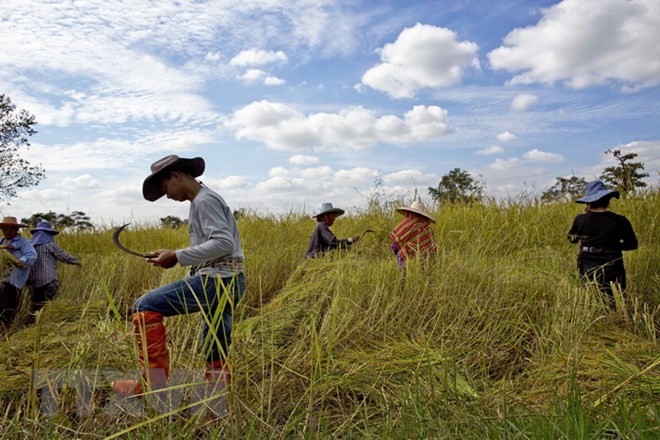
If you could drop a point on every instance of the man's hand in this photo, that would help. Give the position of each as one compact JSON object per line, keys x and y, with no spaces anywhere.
{"x":7,"y":247}
{"x":164,"y":258}
{"x":20,"y":264}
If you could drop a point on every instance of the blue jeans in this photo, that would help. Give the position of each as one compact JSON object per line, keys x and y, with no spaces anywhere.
{"x":215,"y":297}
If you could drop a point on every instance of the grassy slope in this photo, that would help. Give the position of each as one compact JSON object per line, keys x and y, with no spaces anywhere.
{"x":495,"y":338}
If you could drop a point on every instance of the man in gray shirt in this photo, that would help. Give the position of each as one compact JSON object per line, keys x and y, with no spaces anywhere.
{"x":213,"y":287}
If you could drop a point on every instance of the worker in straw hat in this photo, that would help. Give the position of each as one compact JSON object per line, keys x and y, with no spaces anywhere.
{"x":43,"y":275}
{"x":22,"y":257}
{"x":603,"y":235}
{"x":322,"y":238}
{"x":413,"y":236}
{"x":213,"y":287}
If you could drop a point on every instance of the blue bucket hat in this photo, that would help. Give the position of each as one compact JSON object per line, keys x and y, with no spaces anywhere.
{"x":45,"y":226}
{"x":595,"y":191}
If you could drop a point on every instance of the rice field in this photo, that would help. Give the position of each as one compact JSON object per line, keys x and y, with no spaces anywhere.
{"x":494,"y":338}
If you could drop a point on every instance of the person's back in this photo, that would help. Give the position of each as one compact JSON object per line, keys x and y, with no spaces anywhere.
{"x":43,"y":277}
{"x":602,"y":235}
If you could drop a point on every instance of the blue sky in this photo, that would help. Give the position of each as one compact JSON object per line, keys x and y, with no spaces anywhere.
{"x":295,"y":103}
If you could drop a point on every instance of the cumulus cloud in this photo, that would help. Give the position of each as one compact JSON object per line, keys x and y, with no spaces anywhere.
{"x":354,"y":175}
{"x":273,"y":81}
{"x":84,"y":181}
{"x":505,"y":164}
{"x":586,"y":43}
{"x":495,"y":149}
{"x":281,"y":127}
{"x":252,"y":75}
{"x":278,"y":172}
{"x":301,"y":159}
{"x":506,"y":136}
{"x":422,"y":56}
{"x":523,"y":102}
{"x":230,"y":182}
{"x":537,"y":155}
{"x":316,"y":172}
{"x":409,"y":177}
{"x":255,"y":57}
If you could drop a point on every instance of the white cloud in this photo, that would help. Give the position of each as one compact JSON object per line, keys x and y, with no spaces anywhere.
{"x":84,"y":181}
{"x":523,"y":102}
{"x":278,"y":172}
{"x":537,"y":155}
{"x":421,"y":57}
{"x":281,"y":127}
{"x":252,"y":75}
{"x":495,"y":149}
{"x":255,"y":57}
{"x":586,"y":43}
{"x":506,"y":136}
{"x":316,"y":172}
{"x":354,"y":175}
{"x":273,"y":81}
{"x":230,"y":182}
{"x":505,"y":164}
{"x":409,"y":177}
{"x":300,"y":159}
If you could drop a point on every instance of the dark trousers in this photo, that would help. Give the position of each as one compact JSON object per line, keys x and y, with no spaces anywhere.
{"x":603,"y":271}
{"x":9,"y":301}
{"x":42,"y":294}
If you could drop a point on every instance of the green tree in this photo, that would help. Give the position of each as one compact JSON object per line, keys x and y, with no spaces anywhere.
{"x":458,"y":186}
{"x":15,"y":129}
{"x":627,"y":175}
{"x":171,"y":221}
{"x":77,"y":220}
{"x":49,"y":216}
{"x":565,"y":188}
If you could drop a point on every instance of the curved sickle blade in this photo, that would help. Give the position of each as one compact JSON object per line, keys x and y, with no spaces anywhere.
{"x":115,"y":239}
{"x":367,"y":231}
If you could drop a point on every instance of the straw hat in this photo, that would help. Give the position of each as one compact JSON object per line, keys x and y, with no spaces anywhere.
{"x":416,"y":207}
{"x":11,"y":221}
{"x":327,"y":208}
{"x":595,"y":191}
{"x":151,"y":189}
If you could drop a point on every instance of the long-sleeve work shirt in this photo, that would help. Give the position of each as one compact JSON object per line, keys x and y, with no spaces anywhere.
{"x":24,"y":251}
{"x":44,"y":269}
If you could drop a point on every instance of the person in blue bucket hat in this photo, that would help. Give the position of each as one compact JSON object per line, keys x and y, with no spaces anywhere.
{"x":603,"y":235}
{"x":43,"y":276}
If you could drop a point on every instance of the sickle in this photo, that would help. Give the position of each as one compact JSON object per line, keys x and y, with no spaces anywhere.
{"x":366,"y":232}
{"x":115,"y":239}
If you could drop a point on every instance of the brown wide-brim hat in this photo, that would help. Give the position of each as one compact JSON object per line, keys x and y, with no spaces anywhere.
{"x":151,"y":189}
{"x":11,"y":221}
{"x":418,"y":208}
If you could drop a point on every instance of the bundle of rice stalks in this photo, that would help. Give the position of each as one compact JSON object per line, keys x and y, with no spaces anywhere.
{"x":7,"y":262}
{"x":61,"y":338}
{"x":604,"y":360}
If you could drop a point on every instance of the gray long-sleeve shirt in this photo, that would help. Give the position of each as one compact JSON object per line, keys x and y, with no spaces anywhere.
{"x":213,"y":233}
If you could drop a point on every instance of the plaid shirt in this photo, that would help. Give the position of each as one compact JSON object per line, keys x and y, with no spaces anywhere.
{"x":44,"y":270}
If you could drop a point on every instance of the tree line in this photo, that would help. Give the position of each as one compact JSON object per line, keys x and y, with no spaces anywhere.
{"x":627,"y":176}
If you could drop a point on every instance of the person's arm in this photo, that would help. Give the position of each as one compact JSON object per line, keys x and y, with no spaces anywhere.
{"x":628,"y":240}
{"x":29,"y":255}
{"x":62,"y":255}
{"x":220,"y":235}
{"x":574,"y":235}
